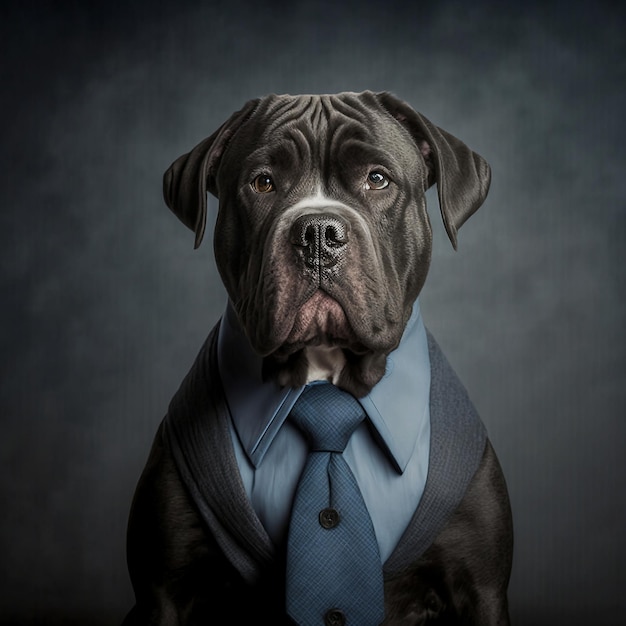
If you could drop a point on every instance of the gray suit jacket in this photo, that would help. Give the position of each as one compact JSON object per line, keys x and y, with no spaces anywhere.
{"x":197,"y":430}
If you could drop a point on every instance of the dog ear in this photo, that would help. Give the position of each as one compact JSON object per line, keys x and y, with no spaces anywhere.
{"x":187,"y":180}
{"x":462,"y":176}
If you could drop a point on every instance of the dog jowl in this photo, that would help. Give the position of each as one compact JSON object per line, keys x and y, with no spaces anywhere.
{"x":323,"y":242}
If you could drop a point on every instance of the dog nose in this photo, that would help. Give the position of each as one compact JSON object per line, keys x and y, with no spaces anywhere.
{"x":320,"y":238}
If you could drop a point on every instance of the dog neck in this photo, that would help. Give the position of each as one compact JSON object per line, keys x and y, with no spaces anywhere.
{"x":324,"y":363}
{"x":354,"y":374}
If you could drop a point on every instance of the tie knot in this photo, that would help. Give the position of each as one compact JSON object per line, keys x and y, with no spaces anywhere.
{"x":327,"y":416}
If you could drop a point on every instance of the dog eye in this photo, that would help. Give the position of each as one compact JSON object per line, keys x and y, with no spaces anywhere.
{"x":376,"y":180}
{"x":263,"y":184}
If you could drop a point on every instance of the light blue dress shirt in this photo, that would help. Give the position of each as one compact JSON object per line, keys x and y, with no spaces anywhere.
{"x":388,"y":453}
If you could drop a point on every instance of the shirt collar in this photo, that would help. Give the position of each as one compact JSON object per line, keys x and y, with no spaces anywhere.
{"x":396,"y":407}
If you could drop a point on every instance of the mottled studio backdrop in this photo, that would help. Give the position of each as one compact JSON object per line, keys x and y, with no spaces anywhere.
{"x":104,"y":303}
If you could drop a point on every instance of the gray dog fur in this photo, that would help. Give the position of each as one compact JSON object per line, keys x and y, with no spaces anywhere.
{"x":323,"y":243}
{"x":326,"y":144}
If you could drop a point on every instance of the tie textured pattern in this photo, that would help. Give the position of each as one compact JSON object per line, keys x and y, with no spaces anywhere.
{"x":334,"y":571}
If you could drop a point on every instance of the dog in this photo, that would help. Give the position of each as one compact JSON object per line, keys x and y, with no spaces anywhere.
{"x":323,"y":243}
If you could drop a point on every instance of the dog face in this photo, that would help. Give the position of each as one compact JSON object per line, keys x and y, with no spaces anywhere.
{"x":322,"y":237}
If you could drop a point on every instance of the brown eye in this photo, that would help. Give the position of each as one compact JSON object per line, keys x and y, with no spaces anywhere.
{"x":376,"y":180}
{"x":263,"y":184}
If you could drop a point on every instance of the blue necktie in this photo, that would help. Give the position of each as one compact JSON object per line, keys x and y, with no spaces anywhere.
{"x":334,"y":570}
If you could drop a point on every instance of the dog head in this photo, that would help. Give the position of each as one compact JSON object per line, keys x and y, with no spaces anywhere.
{"x":322,"y":237}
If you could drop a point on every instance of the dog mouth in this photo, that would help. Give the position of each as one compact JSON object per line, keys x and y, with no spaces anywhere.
{"x":321,"y":321}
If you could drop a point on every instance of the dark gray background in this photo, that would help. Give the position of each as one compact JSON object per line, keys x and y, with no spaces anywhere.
{"x":105,"y":304}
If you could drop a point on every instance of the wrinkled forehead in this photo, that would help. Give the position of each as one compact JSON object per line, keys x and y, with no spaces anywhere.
{"x":322,"y":127}
{"x":320,"y":114}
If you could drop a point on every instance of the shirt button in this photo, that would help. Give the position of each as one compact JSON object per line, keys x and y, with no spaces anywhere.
{"x":334,"y":617}
{"x":329,"y":518}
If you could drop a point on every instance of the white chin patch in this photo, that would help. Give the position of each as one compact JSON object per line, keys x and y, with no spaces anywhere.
{"x":324,"y":363}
